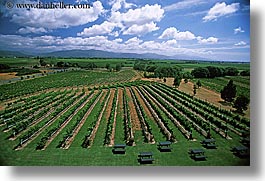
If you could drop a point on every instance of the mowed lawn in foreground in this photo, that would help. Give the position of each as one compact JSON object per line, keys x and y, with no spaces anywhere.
{"x":103,"y":156}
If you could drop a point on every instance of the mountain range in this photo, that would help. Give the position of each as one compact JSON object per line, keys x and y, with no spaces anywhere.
{"x":96,"y":54}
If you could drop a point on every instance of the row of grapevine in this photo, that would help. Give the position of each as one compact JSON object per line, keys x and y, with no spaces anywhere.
{"x":187,"y":119}
{"x":10,"y":113}
{"x":127,"y":120}
{"x":65,"y":79}
{"x":164,"y":111}
{"x":159,"y":121}
{"x":180,"y":121}
{"x":27,"y":124}
{"x":147,"y":131}
{"x":111,"y":119}
{"x":63,"y":120}
{"x":93,"y":127}
{"x":21,"y":120}
{"x":215,"y":124}
{"x":224,"y":115}
{"x":36,"y":129}
{"x":78,"y":120}
{"x":219,"y":125}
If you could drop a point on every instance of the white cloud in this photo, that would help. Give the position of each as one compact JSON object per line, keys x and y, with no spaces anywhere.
{"x":172,"y":32}
{"x":118,"y":4}
{"x":241,"y":43}
{"x":81,"y":1}
{"x":139,"y":16}
{"x":134,"y":40}
{"x":118,"y":40}
{"x":104,"y":28}
{"x":210,"y":40}
{"x":141,"y":29}
{"x":55,"y":18}
{"x":28,"y":30}
{"x":170,"y":43}
{"x":238,"y":30}
{"x":219,"y":10}
{"x":183,"y":5}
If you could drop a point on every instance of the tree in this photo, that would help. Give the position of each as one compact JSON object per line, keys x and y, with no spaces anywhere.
{"x":42,"y":62}
{"x":215,"y":71}
{"x":194,"y":89}
{"x":107,"y":66}
{"x":245,"y":73}
{"x":177,"y":81}
{"x":199,"y":84}
{"x":231,"y":71}
{"x":4,"y":66}
{"x":165,"y":80}
{"x":186,"y":80}
{"x":228,"y":93}
{"x":200,"y":72}
{"x":118,"y":67}
{"x":241,"y":103}
{"x":60,"y":64}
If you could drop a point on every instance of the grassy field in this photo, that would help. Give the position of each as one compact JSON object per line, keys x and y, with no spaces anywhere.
{"x":101,"y":156}
{"x":187,"y":65}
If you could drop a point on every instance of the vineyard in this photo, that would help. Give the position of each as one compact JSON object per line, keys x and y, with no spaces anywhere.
{"x":80,"y":125}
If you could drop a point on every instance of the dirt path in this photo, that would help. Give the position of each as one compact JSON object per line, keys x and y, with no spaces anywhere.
{"x":136,"y":125}
{"x":204,"y":94}
{"x":112,"y":140}
{"x":137,"y":76}
{"x":81,"y":123}
{"x":109,"y":106}
{"x":8,"y":76}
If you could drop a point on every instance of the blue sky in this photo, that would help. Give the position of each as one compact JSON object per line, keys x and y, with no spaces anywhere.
{"x":212,"y":29}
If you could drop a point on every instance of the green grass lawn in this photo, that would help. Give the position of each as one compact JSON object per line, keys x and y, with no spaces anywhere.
{"x":99,"y":155}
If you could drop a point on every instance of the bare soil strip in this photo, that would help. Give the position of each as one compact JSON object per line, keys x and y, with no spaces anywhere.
{"x":136,"y":125}
{"x":81,"y":123}
{"x":114,"y":122}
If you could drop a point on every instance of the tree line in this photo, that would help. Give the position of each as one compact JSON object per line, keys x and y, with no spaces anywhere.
{"x":212,"y":72}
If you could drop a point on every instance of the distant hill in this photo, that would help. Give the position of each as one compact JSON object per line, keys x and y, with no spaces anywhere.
{"x":101,"y":54}
{"x":96,"y":54}
{"x":4,"y":53}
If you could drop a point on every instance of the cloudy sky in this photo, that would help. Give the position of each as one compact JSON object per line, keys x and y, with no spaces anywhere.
{"x":212,"y":29}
